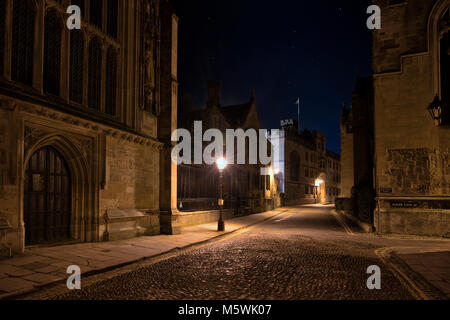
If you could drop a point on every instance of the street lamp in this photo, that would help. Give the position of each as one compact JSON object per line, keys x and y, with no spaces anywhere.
{"x":435,"y":110}
{"x":317,"y":186}
{"x":221,"y":165}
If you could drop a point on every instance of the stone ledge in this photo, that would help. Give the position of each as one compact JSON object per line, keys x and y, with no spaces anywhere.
{"x":130,"y":223}
{"x":422,"y":222}
{"x":368,"y":228}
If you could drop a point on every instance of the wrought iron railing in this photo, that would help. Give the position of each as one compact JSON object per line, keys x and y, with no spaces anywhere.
{"x":205,"y":204}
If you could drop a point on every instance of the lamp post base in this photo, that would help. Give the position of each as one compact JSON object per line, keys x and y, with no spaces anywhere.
{"x":221,"y":225}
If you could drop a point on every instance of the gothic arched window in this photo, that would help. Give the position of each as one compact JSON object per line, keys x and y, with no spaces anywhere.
{"x":96,"y":13}
{"x":52,"y":53}
{"x":445,"y":59}
{"x":80,"y":4}
{"x":295,"y":166}
{"x":76,"y":66}
{"x":2,"y":34}
{"x":112,"y":10}
{"x":95,"y":74}
{"x":23,"y":41}
{"x":111,"y":82}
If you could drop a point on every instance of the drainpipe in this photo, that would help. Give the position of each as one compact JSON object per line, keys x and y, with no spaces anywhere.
{"x":378,"y":190}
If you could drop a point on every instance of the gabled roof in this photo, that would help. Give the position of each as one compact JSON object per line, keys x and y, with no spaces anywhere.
{"x":236,"y":115}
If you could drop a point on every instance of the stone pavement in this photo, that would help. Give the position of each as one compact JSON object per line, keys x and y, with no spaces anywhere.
{"x":432,"y":265}
{"x":430,"y":262}
{"x":39,"y":267}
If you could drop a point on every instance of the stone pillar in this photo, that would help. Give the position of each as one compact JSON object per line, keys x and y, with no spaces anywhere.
{"x":170,"y":216}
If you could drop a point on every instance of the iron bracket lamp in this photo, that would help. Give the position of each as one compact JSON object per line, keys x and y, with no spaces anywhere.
{"x":436,"y":111}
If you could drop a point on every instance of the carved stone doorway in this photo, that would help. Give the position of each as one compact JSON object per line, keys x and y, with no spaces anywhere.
{"x":47,"y":198}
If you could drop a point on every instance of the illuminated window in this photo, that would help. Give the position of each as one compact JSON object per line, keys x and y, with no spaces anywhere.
{"x":52,"y":53}
{"x":267,"y":183}
{"x":22,"y":41}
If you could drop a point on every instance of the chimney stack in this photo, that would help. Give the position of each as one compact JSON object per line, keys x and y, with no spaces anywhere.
{"x":213,"y":94}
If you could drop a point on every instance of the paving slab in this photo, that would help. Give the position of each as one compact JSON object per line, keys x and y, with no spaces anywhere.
{"x":432,"y":266}
{"x":13,"y":271}
{"x":41,"y":278}
{"x":15,"y":284}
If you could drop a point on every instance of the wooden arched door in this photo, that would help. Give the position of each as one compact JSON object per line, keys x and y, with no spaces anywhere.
{"x":47,"y":198}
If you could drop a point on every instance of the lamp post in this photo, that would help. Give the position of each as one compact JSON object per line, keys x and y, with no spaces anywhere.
{"x":221,"y":165}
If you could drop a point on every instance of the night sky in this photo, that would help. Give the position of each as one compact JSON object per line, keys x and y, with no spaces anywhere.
{"x":283,"y":49}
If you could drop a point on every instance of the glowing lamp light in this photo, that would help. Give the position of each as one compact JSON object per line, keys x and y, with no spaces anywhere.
{"x":435,"y":110}
{"x":221,"y":164}
{"x":319,"y":182}
{"x":276,"y":171}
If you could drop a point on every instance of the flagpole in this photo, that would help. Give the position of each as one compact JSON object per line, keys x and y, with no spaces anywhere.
{"x":298,"y":119}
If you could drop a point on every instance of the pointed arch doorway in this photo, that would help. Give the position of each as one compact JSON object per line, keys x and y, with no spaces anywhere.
{"x":47,"y":198}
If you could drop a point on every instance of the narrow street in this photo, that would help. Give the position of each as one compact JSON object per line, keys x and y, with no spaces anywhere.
{"x":305,"y":253}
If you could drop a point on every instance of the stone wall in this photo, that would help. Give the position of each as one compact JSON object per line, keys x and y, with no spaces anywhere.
{"x":417,"y":171}
{"x":110,"y":170}
{"x":132,"y":179}
{"x":422,"y":222}
{"x":403,"y":31}
{"x":412,"y":153}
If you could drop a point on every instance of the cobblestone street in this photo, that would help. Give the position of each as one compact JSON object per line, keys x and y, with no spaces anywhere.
{"x":302,"y":254}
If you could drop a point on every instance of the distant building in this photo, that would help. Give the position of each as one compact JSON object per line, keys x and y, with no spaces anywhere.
{"x":85,"y":120}
{"x":411,"y":64}
{"x":245,"y":190}
{"x":308,"y":172}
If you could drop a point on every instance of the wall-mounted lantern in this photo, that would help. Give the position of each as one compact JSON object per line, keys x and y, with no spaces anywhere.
{"x":435,"y":110}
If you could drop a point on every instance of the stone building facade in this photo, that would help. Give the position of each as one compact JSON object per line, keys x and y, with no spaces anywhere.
{"x":308,"y":172}
{"x":245,"y":189}
{"x":357,"y":154}
{"x":85,"y":119}
{"x":411,"y":67}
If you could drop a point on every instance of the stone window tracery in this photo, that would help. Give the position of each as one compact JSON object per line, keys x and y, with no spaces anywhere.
{"x":52,"y":52}
{"x":295,"y":166}
{"x":76,"y":66}
{"x":444,"y":44}
{"x":24,"y":12}
{"x":2,"y":34}
{"x":111,"y":82}
{"x":95,"y":74}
